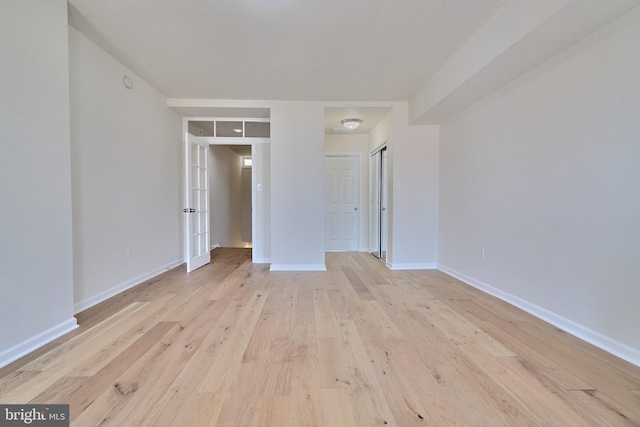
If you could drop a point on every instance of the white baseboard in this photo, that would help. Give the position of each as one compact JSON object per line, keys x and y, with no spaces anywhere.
{"x":216,"y":246}
{"x":102,"y":296}
{"x":412,"y":266}
{"x":27,"y":346}
{"x":298,"y":267}
{"x":608,"y":344}
{"x":261,"y":260}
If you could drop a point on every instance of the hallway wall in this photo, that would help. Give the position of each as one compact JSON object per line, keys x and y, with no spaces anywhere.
{"x":126,"y":169}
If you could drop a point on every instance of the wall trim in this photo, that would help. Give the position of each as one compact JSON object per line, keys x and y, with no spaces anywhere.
{"x":261,"y":260}
{"x":35,"y":342}
{"x":413,"y":266}
{"x":298,"y":267}
{"x":102,"y":296}
{"x":608,"y":344}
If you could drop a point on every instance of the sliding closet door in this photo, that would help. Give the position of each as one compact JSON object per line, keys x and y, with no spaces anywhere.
{"x":374,"y":208}
{"x":384,"y":199}
{"x":378,"y":167}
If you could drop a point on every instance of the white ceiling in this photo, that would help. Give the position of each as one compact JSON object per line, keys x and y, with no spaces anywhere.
{"x":440,"y":55}
{"x":314,"y":50}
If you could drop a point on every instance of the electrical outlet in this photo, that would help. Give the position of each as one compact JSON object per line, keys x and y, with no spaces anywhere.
{"x":481,"y":252}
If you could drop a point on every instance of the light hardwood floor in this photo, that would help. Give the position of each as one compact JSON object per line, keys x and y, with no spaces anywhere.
{"x":233,"y":344}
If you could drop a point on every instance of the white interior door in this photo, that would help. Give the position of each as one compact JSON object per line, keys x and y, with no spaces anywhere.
{"x":197,"y":249}
{"x":342,"y":199}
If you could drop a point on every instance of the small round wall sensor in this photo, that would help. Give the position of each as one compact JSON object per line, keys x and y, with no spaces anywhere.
{"x":128,"y":82}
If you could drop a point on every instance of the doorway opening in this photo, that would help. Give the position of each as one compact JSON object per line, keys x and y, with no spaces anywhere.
{"x":230,"y":196}
{"x":236,"y":147}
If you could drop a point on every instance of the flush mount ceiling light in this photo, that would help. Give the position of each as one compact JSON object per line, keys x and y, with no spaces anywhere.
{"x":351,"y":124}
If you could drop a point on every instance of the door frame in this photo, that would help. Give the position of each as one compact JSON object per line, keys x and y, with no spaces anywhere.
{"x":257,"y":181}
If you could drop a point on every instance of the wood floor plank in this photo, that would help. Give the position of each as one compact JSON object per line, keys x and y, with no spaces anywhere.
{"x":177,"y":352}
{"x":234,"y":344}
{"x":106,"y":379}
{"x":368,"y":394}
{"x":432,"y":405}
{"x":227,"y":364}
{"x":358,"y":285}
{"x":132,"y":395}
{"x":241,"y":401}
{"x":338,"y":407}
{"x":527,"y":354}
{"x":405,"y":404}
{"x":325,"y":320}
{"x":597,"y":412}
{"x":345,"y":304}
{"x":117,"y":338}
{"x":588,"y":355}
{"x":484,"y":401}
{"x":271,"y":411}
{"x":599,"y":379}
{"x":304,"y":310}
{"x":306,"y":396}
{"x":178,"y":395}
{"x":51,"y":359}
{"x":379,"y":323}
{"x":202,"y":410}
{"x":15,"y":379}
{"x":457,"y":328}
{"x":333,"y":372}
{"x":67,"y":358}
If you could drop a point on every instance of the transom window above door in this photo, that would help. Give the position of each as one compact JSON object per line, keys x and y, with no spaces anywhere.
{"x":230,"y":128}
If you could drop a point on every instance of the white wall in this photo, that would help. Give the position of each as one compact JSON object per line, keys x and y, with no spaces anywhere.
{"x":356,"y":144}
{"x":382,"y":132}
{"x":126,"y":151}
{"x":225,"y":197}
{"x":297,"y":186}
{"x":261,"y":175}
{"x":414,"y":181}
{"x":413,"y":189}
{"x":545,"y":175}
{"x":36,"y":277}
